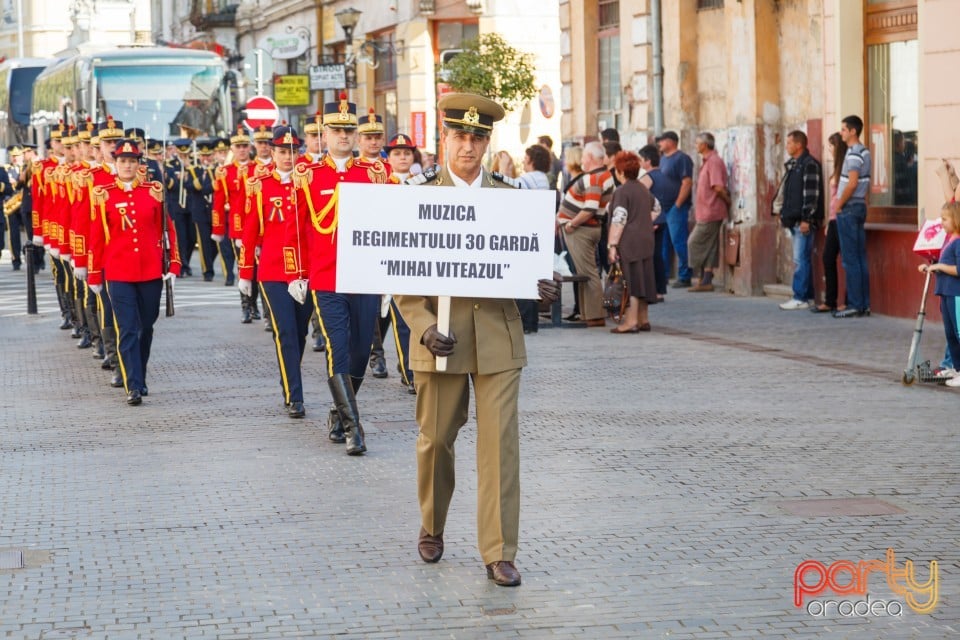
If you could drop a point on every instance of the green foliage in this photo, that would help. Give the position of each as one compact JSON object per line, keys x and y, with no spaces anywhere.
{"x":490,"y":67}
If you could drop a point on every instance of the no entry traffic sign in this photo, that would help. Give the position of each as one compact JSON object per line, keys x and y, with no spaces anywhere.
{"x":261,"y":111}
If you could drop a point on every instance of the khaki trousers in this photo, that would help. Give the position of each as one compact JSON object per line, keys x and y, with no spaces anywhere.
{"x":442,"y":404}
{"x":582,"y":245}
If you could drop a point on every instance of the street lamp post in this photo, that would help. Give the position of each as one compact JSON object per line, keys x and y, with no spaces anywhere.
{"x":348,"y":19}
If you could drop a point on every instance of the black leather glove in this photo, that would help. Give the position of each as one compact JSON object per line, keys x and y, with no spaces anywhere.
{"x":437,"y":343}
{"x":548,"y":290}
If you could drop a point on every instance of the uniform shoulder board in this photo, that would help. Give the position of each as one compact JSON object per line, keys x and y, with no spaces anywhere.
{"x":302,"y":175}
{"x":99,"y":195}
{"x":254,"y":183}
{"x":513,"y":182}
{"x":428,"y":176}
{"x":156,"y":189}
{"x":261,"y":170}
{"x":38,"y":165}
{"x":142,"y":170}
{"x":221,"y":173}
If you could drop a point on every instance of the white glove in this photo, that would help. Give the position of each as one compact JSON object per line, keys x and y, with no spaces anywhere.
{"x":96,"y":288}
{"x":171,"y":278}
{"x":80,"y":273}
{"x":385,"y":305}
{"x":298,"y":290}
{"x":245,"y":286}
{"x":239,"y":243}
{"x":216,"y":237}
{"x":37,"y":241}
{"x":54,"y":252}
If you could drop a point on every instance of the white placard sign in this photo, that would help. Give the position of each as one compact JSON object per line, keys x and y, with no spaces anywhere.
{"x":480,"y":243}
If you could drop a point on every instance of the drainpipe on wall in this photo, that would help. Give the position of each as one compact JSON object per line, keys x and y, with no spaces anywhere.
{"x":657,"y":67}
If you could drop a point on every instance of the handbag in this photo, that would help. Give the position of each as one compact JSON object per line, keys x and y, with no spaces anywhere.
{"x":615,"y":292}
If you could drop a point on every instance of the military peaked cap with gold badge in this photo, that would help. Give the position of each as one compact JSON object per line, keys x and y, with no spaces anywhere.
{"x":86,"y":132}
{"x":13,"y":151}
{"x":205,"y":146}
{"x":127,"y":149}
{"x":262,"y":134}
{"x":183,"y":145}
{"x":69,"y":137}
{"x":370,"y":123}
{"x":56,"y":133}
{"x":154,"y":145}
{"x":240,"y":137}
{"x":285,"y":136}
{"x":471,"y":113}
{"x":400,"y":141}
{"x":136,"y":134}
{"x":110,"y":130}
{"x":314,"y":125}
{"x":221,"y":144}
{"x":342,"y":115}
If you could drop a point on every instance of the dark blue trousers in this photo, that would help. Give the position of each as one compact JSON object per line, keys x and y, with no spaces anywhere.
{"x":401,"y":336}
{"x":227,"y":258}
{"x":136,"y":307}
{"x":291,"y":323}
{"x":208,"y":248}
{"x":347,"y":321}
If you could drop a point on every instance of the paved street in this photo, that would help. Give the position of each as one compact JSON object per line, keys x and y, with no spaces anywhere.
{"x":662,"y":475}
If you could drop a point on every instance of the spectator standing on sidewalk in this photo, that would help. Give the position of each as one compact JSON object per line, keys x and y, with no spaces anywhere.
{"x":654,"y":181}
{"x":853,"y":188}
{"x":536,"y":164}
{"x":713,"y":207}
{"x":802,"y":214}
{"x":831,"y":247}
{"x":580,"y":221}
{"x":676,"y":167}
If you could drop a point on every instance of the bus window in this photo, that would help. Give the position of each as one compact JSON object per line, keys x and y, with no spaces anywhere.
{"x":21,"y":92}
{"x":153,"y":97}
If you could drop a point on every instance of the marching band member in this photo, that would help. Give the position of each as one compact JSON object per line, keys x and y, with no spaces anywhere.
{"x":198,"y":201}
{"x":346,"y":320}
{"x":179,"y":176}
{"x":109,"y":133}
{"x":280,"y":230}
{"x":126,"y":242}
{"x":229,"y":209}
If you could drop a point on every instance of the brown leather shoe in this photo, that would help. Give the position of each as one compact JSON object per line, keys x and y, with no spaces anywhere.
{"x":504,"y":573}
{"x":597,"y":322}
{"x":430,"y":547}
{"x":701,"y":287}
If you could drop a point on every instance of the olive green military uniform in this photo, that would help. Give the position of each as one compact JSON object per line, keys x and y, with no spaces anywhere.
{"x":490,"y":350}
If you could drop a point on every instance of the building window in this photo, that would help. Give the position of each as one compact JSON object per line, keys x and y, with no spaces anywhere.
{"x":609,"y":14}
{"x":608,"y":63}
{"x":703,"y":5}
{"x":891,"y":128}
{"x":385,"y":81}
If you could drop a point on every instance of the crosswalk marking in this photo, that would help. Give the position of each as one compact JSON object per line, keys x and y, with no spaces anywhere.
{"x":188,"y":292}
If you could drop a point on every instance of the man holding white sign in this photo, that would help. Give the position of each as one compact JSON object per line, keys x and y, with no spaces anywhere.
{"x":443,"y":393}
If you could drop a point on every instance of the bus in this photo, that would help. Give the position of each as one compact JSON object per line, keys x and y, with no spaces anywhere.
{"x":167,"y":92}
{"x":16,"y":90}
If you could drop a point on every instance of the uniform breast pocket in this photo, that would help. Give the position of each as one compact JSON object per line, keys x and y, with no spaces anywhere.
{"x":515,"y":328}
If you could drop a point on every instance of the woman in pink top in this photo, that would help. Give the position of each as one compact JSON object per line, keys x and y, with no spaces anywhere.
{"x":831,"y":248}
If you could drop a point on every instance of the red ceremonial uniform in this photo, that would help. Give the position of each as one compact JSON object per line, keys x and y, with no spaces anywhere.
{"x":125,"y":234}
{"x":59,"y":214}
{"x":42,"y":194}
{"x":278,"y":227}
{"x":77,"y":217}
{"x":230,"y":199}
{"x":317,"y":200}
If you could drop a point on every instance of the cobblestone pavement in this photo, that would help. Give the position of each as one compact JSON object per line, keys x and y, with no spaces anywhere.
{"x":658,"y":475}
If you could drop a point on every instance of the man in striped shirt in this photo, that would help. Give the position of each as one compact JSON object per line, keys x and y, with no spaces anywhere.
{"x":580,"y":218}
{"x":852,"y":193}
